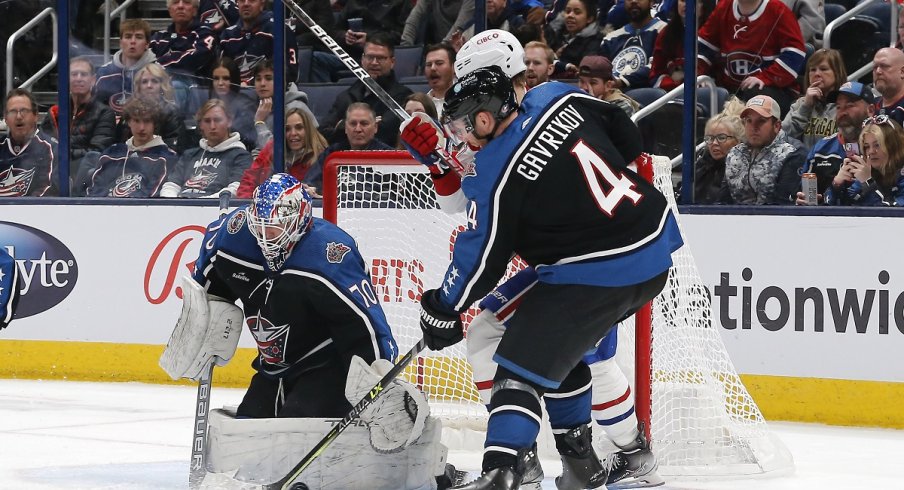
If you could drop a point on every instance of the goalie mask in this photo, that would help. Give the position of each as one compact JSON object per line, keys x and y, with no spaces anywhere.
{"x":485,"y":89}
{"x":279,"y":215}
{"x":493,"y":47}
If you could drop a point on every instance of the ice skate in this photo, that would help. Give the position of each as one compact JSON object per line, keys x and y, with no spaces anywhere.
{"x":634,"y":466}
{"x":502,"y":478}
{"x":581,"y":468}
{"x":533,"y":472}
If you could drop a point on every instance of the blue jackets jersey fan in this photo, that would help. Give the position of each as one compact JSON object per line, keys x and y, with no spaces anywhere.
{"x":9,"y":287}
{"x":126,"y":171}
{"x":538,"y":194}
{"x":825,"y":160}
{"x":249,"y":45}
{"x":320,"y":304}
{"x":189,"y":53}
{"x":631,"y":52}
{"x":29,"y":170}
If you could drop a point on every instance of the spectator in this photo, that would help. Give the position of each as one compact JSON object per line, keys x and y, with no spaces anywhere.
{"x":595,"y":78}
{"x":28,"y":162}
{"x":667,"y":64}
{"x":527,"y":33}
{"x":216,"y":165}
{"x":764,"y":168}
{"x":218,"y":14}
{"x":136,"y":168}
{"x":185,"y":49}
{"x":722,"y":133}
{"x":576,"y":37}
{"x":92,"y":126}
{"x":754,"y":47}
{"x":876,"y":178}
{"x":631,"y":48}
{"x":499,"y":16}
{"x":888,"y":79}
{"x":540,"y":60}
{"x":251,"y":41}
{"x":360,"y":130}
{"x":263,"y":117}
{"x":811,"y":19}
{"x":114,"y":79}
{"x":433,"y":21}
{"x":854,"y":104}
{"x":239,"y":107}
{"x":378,"y":60}
{"x":439,"y":61}
{"x":420,"y":102}
{"x":812,"y":117}
{"x":153,"y":83}
{"x":383,"y":18}
{"x":304,"y":144}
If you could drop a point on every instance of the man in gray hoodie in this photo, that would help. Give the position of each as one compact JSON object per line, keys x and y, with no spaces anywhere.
{"x":114,"y":79}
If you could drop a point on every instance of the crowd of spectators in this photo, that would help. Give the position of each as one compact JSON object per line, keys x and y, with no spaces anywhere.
{"x":187,"y":111}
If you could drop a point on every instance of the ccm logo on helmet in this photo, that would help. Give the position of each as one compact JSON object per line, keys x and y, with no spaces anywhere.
{"x":47,"y":269}
{"x":487,"y":38}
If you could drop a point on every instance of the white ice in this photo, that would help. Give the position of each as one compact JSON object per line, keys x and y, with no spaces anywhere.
{"x":73,"y":435}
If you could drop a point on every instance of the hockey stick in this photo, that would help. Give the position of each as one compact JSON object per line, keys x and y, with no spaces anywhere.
{"x":440,"y":151}
{"x":197,"y":467}
{"x":285,"y":483}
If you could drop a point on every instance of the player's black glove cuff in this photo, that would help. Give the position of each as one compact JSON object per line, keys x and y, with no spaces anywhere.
{"x":441,"y":328}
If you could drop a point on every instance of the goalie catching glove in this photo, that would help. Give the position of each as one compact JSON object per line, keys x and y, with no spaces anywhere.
{"x":207,"y":331}
{"x":396,"y":418}
{"x":441,"y":329}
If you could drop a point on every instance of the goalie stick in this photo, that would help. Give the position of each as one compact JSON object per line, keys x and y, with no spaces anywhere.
{"x":285,"y":483}
{"x":450,"y":160}
{"x":197,"y":469}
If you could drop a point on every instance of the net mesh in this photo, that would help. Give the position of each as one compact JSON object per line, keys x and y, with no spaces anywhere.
{"x":704,"y":422}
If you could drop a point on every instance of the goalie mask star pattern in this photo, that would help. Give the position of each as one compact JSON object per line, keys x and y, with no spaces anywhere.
{"x":278,"y":216}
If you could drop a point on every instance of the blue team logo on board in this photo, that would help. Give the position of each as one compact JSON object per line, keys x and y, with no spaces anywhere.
{"x":47,"y":269}
{"x":236,"y":222}
{"x":335,"y":252}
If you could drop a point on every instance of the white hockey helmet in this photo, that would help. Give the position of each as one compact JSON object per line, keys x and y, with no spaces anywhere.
{"x":493,"y":47}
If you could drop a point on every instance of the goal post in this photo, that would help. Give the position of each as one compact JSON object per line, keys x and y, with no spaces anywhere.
{"x":702,"y":420}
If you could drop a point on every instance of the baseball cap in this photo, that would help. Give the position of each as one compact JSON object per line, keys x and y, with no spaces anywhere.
{"x":855,"y":89}
{"x":763,"y":105}
{"x":595,"y":66}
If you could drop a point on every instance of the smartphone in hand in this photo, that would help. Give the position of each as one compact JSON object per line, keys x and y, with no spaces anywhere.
{"x":356,"y":24}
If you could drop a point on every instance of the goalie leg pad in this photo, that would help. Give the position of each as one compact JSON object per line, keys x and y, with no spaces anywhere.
{"x":484,"y":334}
{"x":207,"y":331}
{"x":395,"y":419}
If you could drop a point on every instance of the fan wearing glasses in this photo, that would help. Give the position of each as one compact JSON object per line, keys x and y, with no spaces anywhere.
{"x":28,"y":161}
{"x":873,"y":178}
{"x":722,"y":132}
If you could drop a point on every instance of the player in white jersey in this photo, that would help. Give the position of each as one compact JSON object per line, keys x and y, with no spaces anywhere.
{"x":612,"y":401}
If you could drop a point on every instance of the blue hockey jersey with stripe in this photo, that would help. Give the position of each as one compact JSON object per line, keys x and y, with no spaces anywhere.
{"x":9,"y":288}
{"x":319,"y":305}
{"x":555,"y":188}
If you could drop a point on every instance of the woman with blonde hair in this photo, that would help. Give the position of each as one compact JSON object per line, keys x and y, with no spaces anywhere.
{"x":216,"y":164}
{"x":812,"y":116}
{"x":875,"y":178}
{"x":153,"y":83}
{"x":722,"y":132}
{"x":304,"y":144}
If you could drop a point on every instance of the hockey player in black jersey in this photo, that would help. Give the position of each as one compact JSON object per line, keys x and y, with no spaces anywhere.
{"x":306,"y":296}
{"x":551,"y":184}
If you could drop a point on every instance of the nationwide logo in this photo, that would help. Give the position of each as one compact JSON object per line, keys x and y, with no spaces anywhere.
{"x":47,"y":269}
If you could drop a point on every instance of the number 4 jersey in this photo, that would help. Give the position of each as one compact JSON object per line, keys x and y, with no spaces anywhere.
{"x":320,"y":304}
{"x":556,"y":188}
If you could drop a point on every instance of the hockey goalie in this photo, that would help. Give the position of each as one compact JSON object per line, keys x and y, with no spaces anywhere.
{"x":323,"y":344}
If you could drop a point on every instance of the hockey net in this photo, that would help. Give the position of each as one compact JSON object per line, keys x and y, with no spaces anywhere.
{"x":702,"y":420}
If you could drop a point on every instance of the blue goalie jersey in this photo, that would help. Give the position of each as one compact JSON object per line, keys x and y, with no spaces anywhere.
{"x":319,"y":305}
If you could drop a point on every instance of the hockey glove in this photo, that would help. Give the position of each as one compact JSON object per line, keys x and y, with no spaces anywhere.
{"x":420,"y":135}
{"x":441,"y":329}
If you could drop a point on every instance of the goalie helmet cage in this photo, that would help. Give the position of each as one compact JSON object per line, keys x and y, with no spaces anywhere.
{"x":702,"y":420}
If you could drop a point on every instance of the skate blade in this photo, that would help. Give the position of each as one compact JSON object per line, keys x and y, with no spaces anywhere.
{"x":646,"y":481}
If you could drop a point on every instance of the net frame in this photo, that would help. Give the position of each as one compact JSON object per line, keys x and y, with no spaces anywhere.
{"x":702,"y":420}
